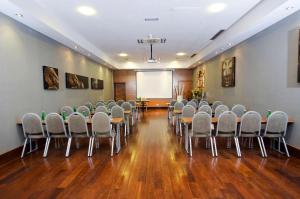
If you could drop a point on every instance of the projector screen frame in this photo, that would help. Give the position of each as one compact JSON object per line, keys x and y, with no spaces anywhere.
{"x":136,"y":83}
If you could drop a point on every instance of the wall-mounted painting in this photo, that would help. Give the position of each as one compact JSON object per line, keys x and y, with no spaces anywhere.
{"x":228,"y":72}
{"x":96,"y":84}
{"x":201,"y":77}
{"x":50,"y":78}
{"x":76,"y":81}
{"x":299,"y":57}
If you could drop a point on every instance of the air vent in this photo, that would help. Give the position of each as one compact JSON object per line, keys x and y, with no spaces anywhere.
{"x":217,"y":35}
{"x":193,"y":55}
{"x":152,"y":19}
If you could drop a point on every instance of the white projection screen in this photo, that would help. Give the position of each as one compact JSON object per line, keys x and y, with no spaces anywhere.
{"x":154,"y":84}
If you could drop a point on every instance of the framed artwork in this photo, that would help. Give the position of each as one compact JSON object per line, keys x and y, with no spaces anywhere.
{"x":50,"y":78}
{"x":228,"y":72}
{"x":96,"y":84}
{"x":74,"y":81}
{"x":201,"y":77}
{"x":298,"y":57}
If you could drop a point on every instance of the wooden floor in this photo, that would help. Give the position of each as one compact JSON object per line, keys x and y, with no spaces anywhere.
{"x":152,"y":164}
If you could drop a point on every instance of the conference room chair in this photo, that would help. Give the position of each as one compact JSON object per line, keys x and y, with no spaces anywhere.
{"x":196,"y":101}
{"x":184,"y":101}
{"x":84,"y":110}
{"x":67,"y":110}
{"x":89,"y":105}
{"x":120,"y":102}
{"x":100,"y":104}
{"x":215,"y":105}
{"x":135,"y":110}
{"x":202,"y":102}
{"x":187,"y":111}
{"x":227,"y":127}
{"x":101,"y":128}
{"x":32,"y":130}
{"x":118,"y":112}
{"x":201,"y":128}
{"x":178,"y":106}
{"x":78,"y":128}
{"x":193,"y":104}
{"x":109,"y":101}
{"x":220,"y":109}
{"x":239,"y":110}
{"x":250,"y":127}
{"x":111,"y":105}
{"x":276,"y":128}
{"x":101,"y":109}
{"x":206,"y":109}
{"x":171,"y":108}
{"x":55,"y":127}
{"x":127,"y":107}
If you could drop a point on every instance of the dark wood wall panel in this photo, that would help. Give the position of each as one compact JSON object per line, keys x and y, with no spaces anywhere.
{"x":129,"y":78}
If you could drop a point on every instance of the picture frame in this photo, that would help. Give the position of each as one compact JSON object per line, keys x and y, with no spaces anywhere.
{"x":50,"y":78}
{"x":228,"y":72}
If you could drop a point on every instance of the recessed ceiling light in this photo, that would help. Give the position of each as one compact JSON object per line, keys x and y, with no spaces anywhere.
{"x":86,"y":10}
{"x":19,"y":15}
{"x":123,"y":54}
{"x":290,"y":8}
{"x":216,"y":7}
{"x":75,"y":47}
{"x":229,"y":44}
{"x":180,"y":54}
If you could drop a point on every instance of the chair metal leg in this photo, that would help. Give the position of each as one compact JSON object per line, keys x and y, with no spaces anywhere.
{"x":212,"y":148}
{"x":260,"y":146}
{"x":237,"y":146}
{"x":46,"y":147}
{"x":30,"y":144}
{"x":92,"y":146}
{"x":215,"y":145}
{"x":112,"y":146}
{"x":263,"y":146}
{"x":190,"y":143}
{"x":180,"y":129}
{"x":24,"y":147}
{"x":286,"y":149}
{"x":89,"y":149}
{"x":68,"y":146}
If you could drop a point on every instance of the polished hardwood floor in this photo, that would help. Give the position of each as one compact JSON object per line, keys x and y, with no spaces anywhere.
{"x":152,"y":164}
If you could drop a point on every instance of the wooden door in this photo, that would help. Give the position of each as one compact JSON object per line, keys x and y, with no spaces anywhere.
{"x":188,"y":86}
{"x":120,"y":91}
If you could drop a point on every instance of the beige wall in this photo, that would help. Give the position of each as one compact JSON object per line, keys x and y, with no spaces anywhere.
{"x":23,"y":52}
{"x":266,"y":73}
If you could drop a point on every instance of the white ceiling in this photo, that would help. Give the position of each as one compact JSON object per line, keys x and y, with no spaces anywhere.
{"x":187,"y":25}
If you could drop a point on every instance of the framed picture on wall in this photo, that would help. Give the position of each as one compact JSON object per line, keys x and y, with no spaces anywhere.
{"x":50,"y":78}
{"x":96,"y":84}
{"x":228,"y":72}
{"x":74,"y":81}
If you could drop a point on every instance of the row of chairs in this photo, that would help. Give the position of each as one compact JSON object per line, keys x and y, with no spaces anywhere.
{"x":250,"y":127}
{"x":77,"y":128}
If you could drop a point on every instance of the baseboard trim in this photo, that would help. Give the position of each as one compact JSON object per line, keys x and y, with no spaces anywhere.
{"x":10,"y":155}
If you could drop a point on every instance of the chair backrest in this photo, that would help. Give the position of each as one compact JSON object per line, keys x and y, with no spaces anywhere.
{"x":111,"y":105}
{"x":32,"y":124}
{"x":100,"y":104}
{"x":101,"y":123}
{"x":206,"y":109}
{"x":178,"y":106}
{"x":127,"y":106}
{"x":117,"y":112}
{"x":239,"y":110}
{"x":196,"y":102}
{"x":277,"y":123}
{"x":215,"y":105}
{"x":184,"y":101}
{"x":67,"y":110}
{"x":188,"y":111}
{"x":220,"y":109}
{"x":132,"y":102}
{"x":84,"y":110}
{"x":102,"y":109}
{"x":77,"y":124}
{"x":202,"y":102}
{"x":192,"y":103}
{"x":120,"y":102}
{"x":55,"y":124}
{"x":250,"y":122}
{"x":201,"y":123}
{"x":89,"y":105}
{"x":172,"y":103}
{"x":109,"y":101}
{"x":227,"y":123}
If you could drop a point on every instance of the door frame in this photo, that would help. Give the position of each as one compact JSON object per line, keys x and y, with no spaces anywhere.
{"x":115,"y":83}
